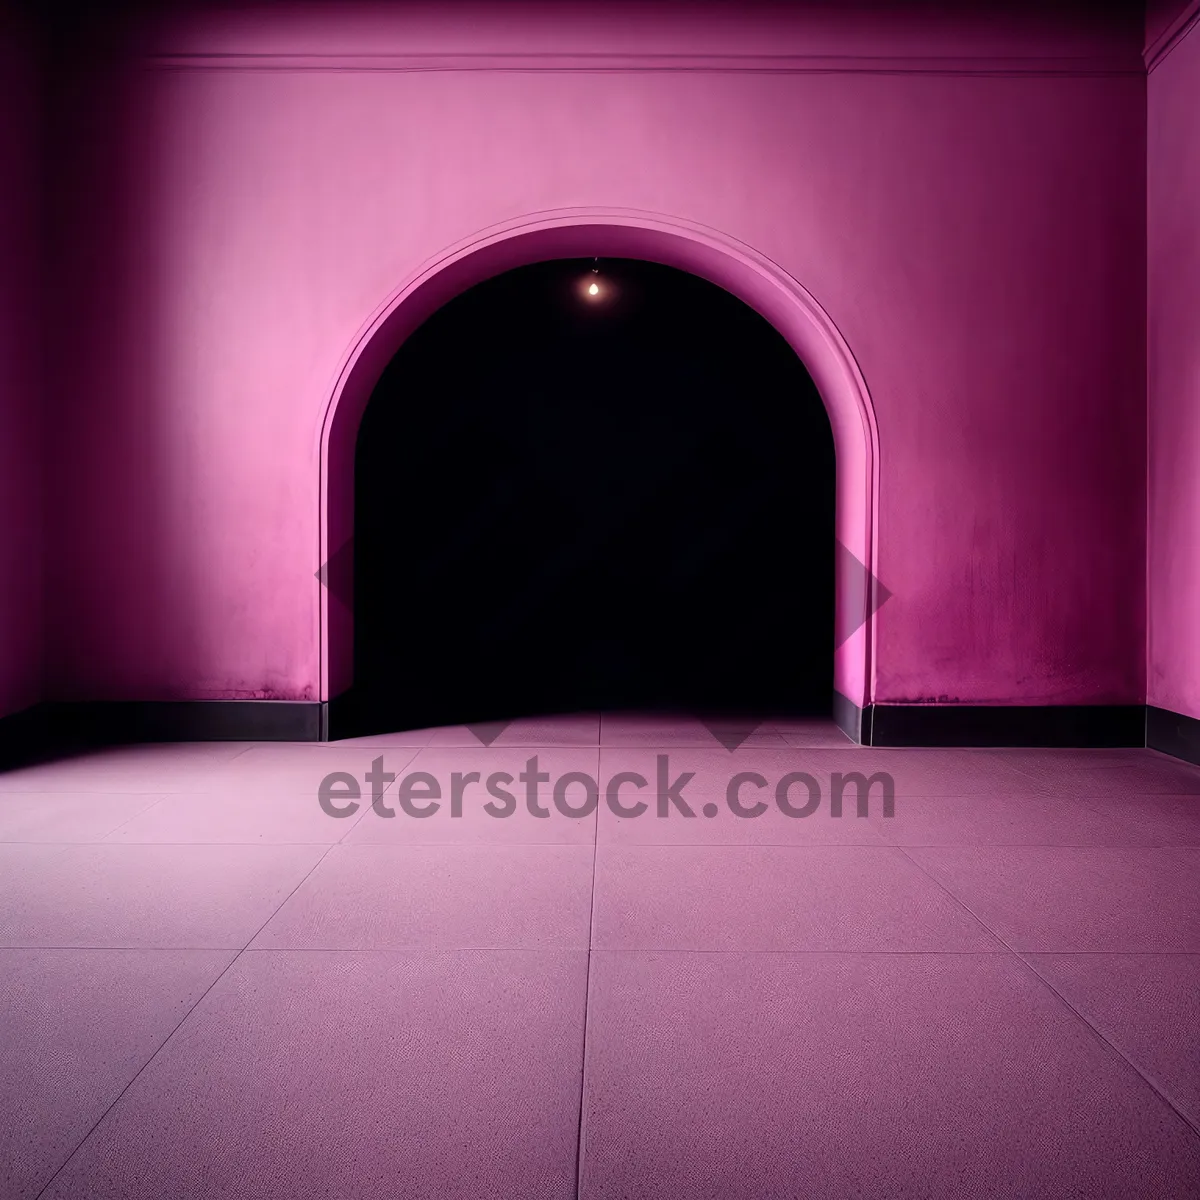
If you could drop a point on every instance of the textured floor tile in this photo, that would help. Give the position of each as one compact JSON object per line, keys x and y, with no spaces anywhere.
{"x":404,"y":738}
{"x":712,"y":821}
{"x":1163,"y":820}
{"x":912,"y":773}
{"x":556,"y":760}
{"x":1001,"y":821}
{"x":1060,"y":898}
{"x":67,"y":816}
{"x":654,"y":729}
{"x":1140,"y":773}
{"x":160,"y":767}
{"x":423,"y":1075}
{"x":1033,"y":758}
{"x":475,"y":824}
{"x":167,"y":896}
{"x":388,"y":897}
{"x":77,"y":1026}
{"x":664,"y":731}
{"x":562,"y":729}
{"x":1147,"y":1005}
{"x":923,"y":772}
{"x":299,"y":768}
{"x":774,"y":898}
{"x":816,"y":734}
{"x":579,"y":729}
{"x":254,"y":815}
{"x":940,"y":1076}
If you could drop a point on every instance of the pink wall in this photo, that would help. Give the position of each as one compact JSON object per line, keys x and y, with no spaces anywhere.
{"x":1173,"y":673}
{"x":20,"y":383}
{"x":964,"y":197}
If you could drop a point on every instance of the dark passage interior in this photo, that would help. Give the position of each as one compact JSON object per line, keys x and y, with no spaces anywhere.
{"x":568,"y":502}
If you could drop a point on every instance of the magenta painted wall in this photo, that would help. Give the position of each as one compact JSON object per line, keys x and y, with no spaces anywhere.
{"x":964,"y":197}
{"x":1173,"y":151}
{"x":21,"y":396}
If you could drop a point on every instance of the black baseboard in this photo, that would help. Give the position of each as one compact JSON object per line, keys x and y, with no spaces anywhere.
{"x":1173,"y":733}
{"x":192,"y":721}
{"x":48,"y":729}
{"x":53,"y":727}
{"x":848,"y":717}
{"x":1085,"y":725}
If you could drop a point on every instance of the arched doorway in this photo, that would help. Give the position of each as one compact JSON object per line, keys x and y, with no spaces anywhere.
{"x":588,"y":485}
{"x":615,"y":234}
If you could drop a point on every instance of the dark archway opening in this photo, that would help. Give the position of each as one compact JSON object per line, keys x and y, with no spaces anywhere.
{"x":566,"y":502}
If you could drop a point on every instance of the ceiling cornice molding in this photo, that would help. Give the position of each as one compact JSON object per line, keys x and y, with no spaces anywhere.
{"x":757,"y":64}
{"x":1170,"y":37}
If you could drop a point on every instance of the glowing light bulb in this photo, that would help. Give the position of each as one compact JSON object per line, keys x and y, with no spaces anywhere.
{"x":594,"y":290}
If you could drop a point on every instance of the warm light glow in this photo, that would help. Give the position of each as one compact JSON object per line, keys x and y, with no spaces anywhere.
{"x":594,"y":290}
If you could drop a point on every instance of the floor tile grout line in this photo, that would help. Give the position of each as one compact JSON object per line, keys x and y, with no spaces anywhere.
{"x":264,"y":842}
{"x":794,"y":952}
{"x":587,"y":1002}
{"x":121,"y":824}
{"x":1104,"y":1038}
{"x":136,"y":1076}
{"x":1020,"y":956}
{"x":123,"y":949}
{"x":268,"y":843}
{"x":166,"y":1041}
{"x":1131,"y":818}
{"x":365,"y":808}
{"x":432,"y":948}
{"x":483,"y":844}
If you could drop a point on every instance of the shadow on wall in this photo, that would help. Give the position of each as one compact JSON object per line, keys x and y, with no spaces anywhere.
{"x":568,"y":500}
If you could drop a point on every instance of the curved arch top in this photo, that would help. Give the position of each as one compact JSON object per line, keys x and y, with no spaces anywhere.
{"x":616,"y":233}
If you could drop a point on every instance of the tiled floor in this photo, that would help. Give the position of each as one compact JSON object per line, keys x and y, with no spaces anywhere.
{"x":209,"y":987}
